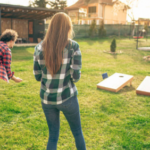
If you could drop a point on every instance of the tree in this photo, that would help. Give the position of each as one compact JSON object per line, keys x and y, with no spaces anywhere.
{"x":146,"y":28}
{"x":113,"y":46}
{"x":129,"y":4}
{"x":30,"y":3}
{"x":58,"y":4}
{"x":123,"y":5}
{"x":63,"y":4}
{"x":54,"y":4}
{"x":39,"y":3}
{"x":102,"y":30}
{"x":93,"y":29}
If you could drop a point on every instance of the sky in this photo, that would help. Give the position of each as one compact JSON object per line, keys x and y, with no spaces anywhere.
{"x":26,"y":2}
{"x":140,"y":10}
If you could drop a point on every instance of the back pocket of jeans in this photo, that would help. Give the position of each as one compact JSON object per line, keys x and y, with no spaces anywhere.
{"x":67,"y":103}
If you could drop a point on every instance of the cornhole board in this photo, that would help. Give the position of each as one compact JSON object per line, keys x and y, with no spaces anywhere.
{"x":115,"y":82}
{"x":144,"y":87}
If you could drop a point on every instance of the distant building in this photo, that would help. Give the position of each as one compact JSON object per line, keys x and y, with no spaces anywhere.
{"x":143,"y":21}
{"x":27,"y":21}
{"x":84,"y":11}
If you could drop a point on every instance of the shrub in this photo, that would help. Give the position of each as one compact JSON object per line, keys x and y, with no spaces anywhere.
{"x":93,"y":29}
{"x":102,"y":30}
{"x":113,"y":46}
{"x":146,"y":28}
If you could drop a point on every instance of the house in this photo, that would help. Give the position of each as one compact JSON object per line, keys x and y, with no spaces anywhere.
{"x":84,"y":11}
{"x":143,"y":21}
{"x":27,"y":21}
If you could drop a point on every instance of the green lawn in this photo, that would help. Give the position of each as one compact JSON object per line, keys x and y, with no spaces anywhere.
{"x":110,"y":121}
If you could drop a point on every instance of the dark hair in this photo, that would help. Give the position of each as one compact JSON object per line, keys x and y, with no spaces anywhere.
{"x":9,"y":35}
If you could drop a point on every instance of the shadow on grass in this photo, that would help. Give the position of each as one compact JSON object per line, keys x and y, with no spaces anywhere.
{"x":114,"y":56}
{"x":106,"y":92}
{"x":127,"y":89}
{"x":92,"y":40}
{"x":141,"y":96}
{"x":124,"y":89}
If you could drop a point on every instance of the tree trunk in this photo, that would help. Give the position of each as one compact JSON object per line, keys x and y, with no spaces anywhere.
{"x":133,"y":31}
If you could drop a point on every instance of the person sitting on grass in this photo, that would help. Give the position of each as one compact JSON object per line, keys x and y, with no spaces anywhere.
{"x":57,"y":64}
{"x":7,"y":40}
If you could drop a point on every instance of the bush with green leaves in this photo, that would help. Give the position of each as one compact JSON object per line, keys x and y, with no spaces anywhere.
{"x":146,"y":28}
{"x":113,"y":46}
{"x":93,"y":29}
{"x":102,"y":30}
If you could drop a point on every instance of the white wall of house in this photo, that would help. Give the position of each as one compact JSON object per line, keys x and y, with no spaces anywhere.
{"x":100,"y":10}
{"x":97,"y":13}
{"x":97,"y":22}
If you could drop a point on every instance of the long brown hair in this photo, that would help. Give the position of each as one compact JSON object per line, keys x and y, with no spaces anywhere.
{"x":56,"y":39}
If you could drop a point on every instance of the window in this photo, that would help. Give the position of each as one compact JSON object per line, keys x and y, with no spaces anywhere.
{"x":92,"y":9}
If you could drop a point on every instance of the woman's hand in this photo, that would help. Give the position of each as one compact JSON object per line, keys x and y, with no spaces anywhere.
{"x":16,"y":79}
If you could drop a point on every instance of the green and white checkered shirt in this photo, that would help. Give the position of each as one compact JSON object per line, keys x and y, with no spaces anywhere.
{"x":59,"y":88}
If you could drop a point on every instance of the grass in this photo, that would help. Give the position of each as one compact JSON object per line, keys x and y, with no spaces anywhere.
{"x":110,"y":121}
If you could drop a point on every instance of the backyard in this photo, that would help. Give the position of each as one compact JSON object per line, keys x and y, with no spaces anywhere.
{"x":111,"y":121}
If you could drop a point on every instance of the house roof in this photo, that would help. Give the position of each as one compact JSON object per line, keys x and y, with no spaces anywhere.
{"x":144,"y":19}
{"x":81,"y":3}
{"x":93,"y":1}
{"x":23,"y":12}
{"x":77,"y":5}
{"x":108,"y":2}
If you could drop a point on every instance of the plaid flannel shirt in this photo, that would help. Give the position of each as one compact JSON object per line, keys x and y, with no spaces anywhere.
{"x":59,"y":88}
{"x":5,"y":62}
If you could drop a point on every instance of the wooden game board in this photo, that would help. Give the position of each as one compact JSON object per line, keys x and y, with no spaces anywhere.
{"x":115,"y":82}
{"x":144,"y":87}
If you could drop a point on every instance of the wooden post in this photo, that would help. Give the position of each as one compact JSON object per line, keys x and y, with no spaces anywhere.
{"x":11,"y":24}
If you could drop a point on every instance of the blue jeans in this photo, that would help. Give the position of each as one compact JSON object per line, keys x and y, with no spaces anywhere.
{"x":70,"y":109}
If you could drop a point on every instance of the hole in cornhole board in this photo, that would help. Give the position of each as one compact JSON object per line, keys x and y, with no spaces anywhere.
{"x":115,"y":82}
{"x":144,"y":87}
{"x":121,"y":76}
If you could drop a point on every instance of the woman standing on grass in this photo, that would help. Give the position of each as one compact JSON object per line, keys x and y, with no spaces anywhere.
{"x":57,"y":64}
{"x":7,"y":40}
